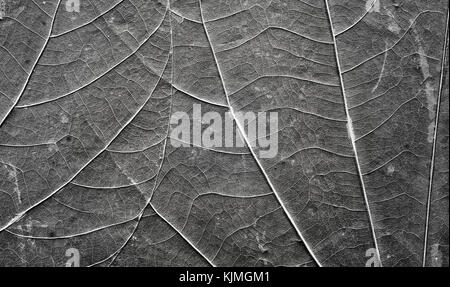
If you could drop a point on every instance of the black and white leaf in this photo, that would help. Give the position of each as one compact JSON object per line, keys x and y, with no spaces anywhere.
{"x":86,"y":160}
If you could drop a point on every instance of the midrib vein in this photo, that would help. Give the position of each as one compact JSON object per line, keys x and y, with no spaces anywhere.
{"x":351,"y":132}
{"x":436,"y":128}
{"x":247,"y":142}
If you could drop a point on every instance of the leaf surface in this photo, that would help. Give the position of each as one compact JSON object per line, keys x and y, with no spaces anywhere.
{"x":86,"y":154}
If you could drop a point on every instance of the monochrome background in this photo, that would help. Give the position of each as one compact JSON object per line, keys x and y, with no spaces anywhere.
{"x":88,"y":176}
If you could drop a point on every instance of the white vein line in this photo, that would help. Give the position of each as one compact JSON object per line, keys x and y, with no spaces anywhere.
{"x":40,"y":8}
{"x":248,"y":84}
{"x":80,"y":234}
{"x":359,"y":20}
{"x":33,"y":67}
{"x":380,"y":77}
{"x":247,"y":141}
{"x":167,"y":139}
{"x":164,"y":151}
{"x":352,"y":133}
{"x":430,"y":187}
{"x":393,"y":45}
{"x":88,"y":22}
{"x":99,"y":76}
{"x":207,"y":148}
{"x":387,"y":119}
{"x":234,"y":46}
{"x":26,"y":27}
{"x":15,"y":59}
{"x":184,"y":17}
{"x":184,"y":237}
{"x":21,"y":214}
{"x":189,"y":94}
{"x":231,"y":14}
{"x":156,"y":185}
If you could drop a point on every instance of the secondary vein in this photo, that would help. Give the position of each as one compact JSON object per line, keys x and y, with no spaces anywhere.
{"x":247,"y":141}
{"x":47,"y":39}
{"x":352,"y":133}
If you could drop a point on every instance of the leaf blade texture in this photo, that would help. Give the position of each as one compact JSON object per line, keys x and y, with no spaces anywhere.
{"x":86,"y":161}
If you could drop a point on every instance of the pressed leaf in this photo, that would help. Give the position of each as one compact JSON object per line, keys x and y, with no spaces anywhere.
{"x":87,"y":161}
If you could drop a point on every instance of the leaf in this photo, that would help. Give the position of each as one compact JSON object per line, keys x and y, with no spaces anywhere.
{"x":87,"y":161}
